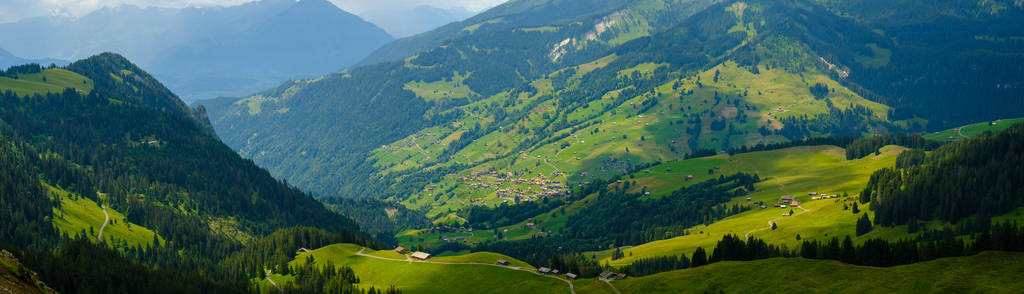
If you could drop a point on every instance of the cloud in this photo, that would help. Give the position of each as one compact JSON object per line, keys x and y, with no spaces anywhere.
{"x":14,"y":10}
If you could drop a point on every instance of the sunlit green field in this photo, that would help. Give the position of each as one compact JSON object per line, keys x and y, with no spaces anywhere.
{"x":619,"y":135}
{"x":972,"y":130}
{"x":84,"y":215}
{"x":470,"y":273}
{"x":988,"y":272}
{"x":786,"y":172}
{"x":56,"y":81}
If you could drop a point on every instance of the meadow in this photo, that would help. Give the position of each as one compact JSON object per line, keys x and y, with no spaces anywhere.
{"x":472,"y":273}
{"x":56,"y":80}
{"x":988,"y":272}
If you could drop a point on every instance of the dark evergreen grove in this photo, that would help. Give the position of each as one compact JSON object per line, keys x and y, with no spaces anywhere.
{"x":154,"y":160}
{"x":980,"y":176}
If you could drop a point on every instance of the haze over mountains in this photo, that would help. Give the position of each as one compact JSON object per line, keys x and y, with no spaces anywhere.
{"x":212,"y":51}
{"x":541,"y":146}
{"x":403,"y":21}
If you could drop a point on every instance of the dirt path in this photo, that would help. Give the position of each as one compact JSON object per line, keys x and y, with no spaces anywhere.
{"x":960,"y":131}
{"x":268,"y":272}
{"x":572,"y":289}
{"x":106,"y":220}
{"x":613,"y":286}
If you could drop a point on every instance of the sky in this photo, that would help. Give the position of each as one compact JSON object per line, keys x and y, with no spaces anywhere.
{"x":14,"y":10}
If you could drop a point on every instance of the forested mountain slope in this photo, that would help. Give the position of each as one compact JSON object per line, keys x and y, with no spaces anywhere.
{"x":733,"y":74}
{"x":127,"y":165}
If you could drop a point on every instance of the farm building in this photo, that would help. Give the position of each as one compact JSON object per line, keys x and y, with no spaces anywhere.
{"x":503,"y":262}
{"x":571,"y":276}
{"x":607,"y":275}
{"x":401,"y":250}
{"x":544,"y":270}
{"x":812,"y":193}
{"x":794,"y":203}
{"x":420,"y":255}
{"x":786,"y":199}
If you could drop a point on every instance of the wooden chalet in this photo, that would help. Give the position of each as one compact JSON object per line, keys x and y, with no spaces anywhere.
{"x":787,"y":199}
{"x":420,"y":255}
{"x":571,"y":276}
{"x":544,"y":270}
{"x":503,"y":262}
{"x":401,"y":250}
{"x":606,"y":275}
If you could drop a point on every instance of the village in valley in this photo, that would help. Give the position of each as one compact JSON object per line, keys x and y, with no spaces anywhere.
{"x":513,"y":187}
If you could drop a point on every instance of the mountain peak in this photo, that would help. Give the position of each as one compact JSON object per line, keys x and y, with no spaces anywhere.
{"x":116,"y":76}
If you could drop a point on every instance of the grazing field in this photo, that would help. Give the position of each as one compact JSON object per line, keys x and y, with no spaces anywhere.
{"x":78,"y":215}
{"x":56,"y":81}
{"x":794,"y":172}
{"x":988,"y":272}
{"x":972,"y":130}
{"x":616,"y":133}
{"x":472,"y":273}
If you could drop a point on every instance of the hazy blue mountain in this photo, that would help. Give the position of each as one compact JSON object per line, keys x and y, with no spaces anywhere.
{"x":211,"y":51}
{"x":7,"y":60}
{"x":403,"y":21}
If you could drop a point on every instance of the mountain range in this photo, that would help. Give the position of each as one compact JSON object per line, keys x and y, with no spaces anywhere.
{"x":545,"y":146}
{"x":529,"y":76}
{"x":211,"y":51}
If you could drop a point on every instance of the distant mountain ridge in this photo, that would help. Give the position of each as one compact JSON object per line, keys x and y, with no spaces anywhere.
{"x":403,"y":22}
{"x":208,"y":52}
{"x":7,"y":60}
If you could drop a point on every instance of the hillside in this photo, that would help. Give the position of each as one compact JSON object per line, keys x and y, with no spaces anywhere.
{"x":472,"y":273}
{"x":213,"y":51}
{"x":989,"y":272}
{"x":461,"y":111}
{"x":125,"y":165}
{"x":972,"y":130}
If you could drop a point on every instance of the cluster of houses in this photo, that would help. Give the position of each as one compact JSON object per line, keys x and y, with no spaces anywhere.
{"x":549,"y":271}
{"x":814,"y":196}
{"x":418,"y":255}
{"x":608,"y":276}
{"x":511,"y":186}
{"x":790,"y":201}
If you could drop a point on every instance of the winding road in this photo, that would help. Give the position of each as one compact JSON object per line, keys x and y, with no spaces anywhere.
{"x":571,"y":288}
{"x":106,"y":220}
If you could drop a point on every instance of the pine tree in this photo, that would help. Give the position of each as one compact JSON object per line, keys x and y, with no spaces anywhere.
{"x":863,"y":225}
{"x":699,"y":258}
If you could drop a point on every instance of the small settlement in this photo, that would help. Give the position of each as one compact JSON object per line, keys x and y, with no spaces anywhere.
{"x":608,"y":276}
{"x":520,"y":185}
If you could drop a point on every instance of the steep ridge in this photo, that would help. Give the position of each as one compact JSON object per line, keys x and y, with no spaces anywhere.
{"x":134,"y":148}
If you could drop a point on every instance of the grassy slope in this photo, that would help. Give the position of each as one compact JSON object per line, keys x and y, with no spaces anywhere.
{"x":658,"y":134}
{"x":989,"y":272}
{"x":81,"y":214}
{"x":414,"y":277}
{"x":972,"y":130}
{"x":792,"y":171}
{"x":56,"y":81}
